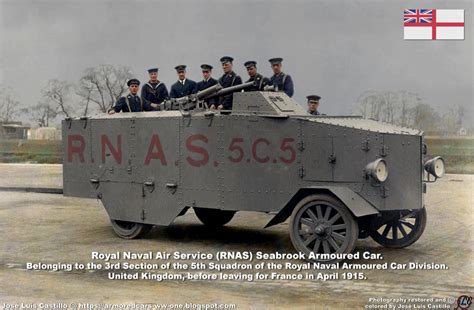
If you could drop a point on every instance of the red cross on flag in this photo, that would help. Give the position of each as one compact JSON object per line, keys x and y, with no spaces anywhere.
{"x":433,"y":24}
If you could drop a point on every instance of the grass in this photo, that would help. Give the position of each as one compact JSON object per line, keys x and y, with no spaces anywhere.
{"x":32,"y":151}
{"x":458,"y":152}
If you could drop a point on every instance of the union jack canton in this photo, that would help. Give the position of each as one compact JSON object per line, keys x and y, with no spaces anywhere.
{"x":418,"y":16}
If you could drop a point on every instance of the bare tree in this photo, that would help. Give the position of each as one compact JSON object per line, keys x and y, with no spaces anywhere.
{"x":425,"y":117}
{"x":9,"y":105}
{"x":42,"y":113}
{"x":400,"y":108}
{"x":452,"y":118}
{"x":59,"y":93}
{"x":103,"y":85}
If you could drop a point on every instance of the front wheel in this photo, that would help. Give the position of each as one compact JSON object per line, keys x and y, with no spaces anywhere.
{"x":321,"y":224}
{"x":399,"y":229}
{"x":130,"y":230}
{"x":214,"y":217}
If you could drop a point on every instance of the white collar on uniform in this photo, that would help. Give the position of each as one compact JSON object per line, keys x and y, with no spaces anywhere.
{"x":149,"y":84}
{"x":182,"y":81}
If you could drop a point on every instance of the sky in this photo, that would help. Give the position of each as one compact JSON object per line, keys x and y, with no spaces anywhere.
{"x":334,"y":48}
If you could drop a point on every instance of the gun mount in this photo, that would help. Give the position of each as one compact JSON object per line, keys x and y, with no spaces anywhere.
{"x":193,"y":101}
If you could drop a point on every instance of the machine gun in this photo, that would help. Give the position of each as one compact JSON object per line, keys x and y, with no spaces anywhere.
{"x":197,"y":100}
{"x":189,"y":102}
{"x":231,"y":89}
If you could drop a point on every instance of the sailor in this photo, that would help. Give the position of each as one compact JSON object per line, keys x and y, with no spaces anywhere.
{"x":207,"y":81}
{"x":228,"y":79}
{"x":154,"y":91}
{"x":132,"y":102}
{"x":313,"y":104}
{"x":259,"y":80}
{"x":280,"y":80}
{"x":182,"y":87}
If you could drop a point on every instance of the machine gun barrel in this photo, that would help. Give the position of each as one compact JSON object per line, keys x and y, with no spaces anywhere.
{"x":208,"y":91}
{"x":231,"y":89}
{"x":189,"y":102}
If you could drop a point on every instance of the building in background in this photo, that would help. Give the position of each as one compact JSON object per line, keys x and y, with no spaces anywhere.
{"x":13,"y":130}
{"x":44,"y":133}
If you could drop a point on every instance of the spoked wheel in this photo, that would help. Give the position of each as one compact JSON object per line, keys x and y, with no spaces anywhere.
{"x":214,"y":217}
{"x":321,"y":224}
{"x":130,"y":230}
{"x":399,"y":229}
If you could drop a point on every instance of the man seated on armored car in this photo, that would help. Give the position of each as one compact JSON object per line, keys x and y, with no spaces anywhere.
{"x":254,"y":76}
{"x":207,"y":81}
{"x":281,"y":81}
{"x":228,"y":79}
{"x":183,"y":86}
{"x":132,"y":102}
{"x":154,"y":91}
{"x":313,"y":104}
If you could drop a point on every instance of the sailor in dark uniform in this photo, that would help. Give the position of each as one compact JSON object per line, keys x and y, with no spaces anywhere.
{"x":207,"y":81}
{"x":280,"y":80}
{"x":154,"y":91}
{"x":228,"y":79}
{"x":313,"y":104}
{"x":132,"y":102}
{"x":259,"y":80}
{"x":182,"y":87}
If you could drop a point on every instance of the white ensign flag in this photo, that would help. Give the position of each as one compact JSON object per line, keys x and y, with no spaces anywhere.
{"x":433,"y":24}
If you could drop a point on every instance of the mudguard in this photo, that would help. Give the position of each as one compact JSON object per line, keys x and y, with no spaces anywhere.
{"x":356,"y":204}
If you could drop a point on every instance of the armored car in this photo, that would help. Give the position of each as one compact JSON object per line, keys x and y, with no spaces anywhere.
{"x":336,"y":178}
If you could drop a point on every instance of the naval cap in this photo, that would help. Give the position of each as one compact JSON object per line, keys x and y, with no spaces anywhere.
{"x":313,"y":98}
{"x":276,"y":60}
{"x":133,"y":82}
{"x":152,"y":70}
{"x":206,"y":67}
{"x":180,"y":68}
{"x":226,"y":59}
{"x":250,"y":63}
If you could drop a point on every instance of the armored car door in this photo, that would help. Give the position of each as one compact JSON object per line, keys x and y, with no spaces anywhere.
{"x":112,"y":169}
{"x":155,"y":166}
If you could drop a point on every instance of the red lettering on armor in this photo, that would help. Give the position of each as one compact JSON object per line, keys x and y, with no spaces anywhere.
{"x":286,"y":147}
{"x":155,"y":154}
{"x":254,"y":150}
{"x":116,"y":152}
{"x":75,"y":149}
{"x":198,"y":150}
{"x":233,"y":147}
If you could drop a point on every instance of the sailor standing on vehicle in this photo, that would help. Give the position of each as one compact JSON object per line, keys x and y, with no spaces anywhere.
{"x":260,"y":80}
{"x":132,"y":102}
{"x":228,"y":79}
{"x":207,"y":81}
{"x":182,"y":87}
{"x":313,"y":104}
{"x":154,"y":91}
{"x":280,"y":80}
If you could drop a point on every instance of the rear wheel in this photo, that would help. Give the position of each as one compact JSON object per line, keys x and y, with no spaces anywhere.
{"x":399,"y":229}
{"x":321,"y":224}
{"x":130,"y":230}
{"x":214,"y":217}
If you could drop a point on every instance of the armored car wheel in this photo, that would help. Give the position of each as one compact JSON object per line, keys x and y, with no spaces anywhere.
{"x":399,"y":229}
{"x":321,"y":224}
{"x":214,"y":217}
{"x":130,"y":230}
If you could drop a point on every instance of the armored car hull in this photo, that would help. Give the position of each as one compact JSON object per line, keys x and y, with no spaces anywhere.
{"x":336,"y":178}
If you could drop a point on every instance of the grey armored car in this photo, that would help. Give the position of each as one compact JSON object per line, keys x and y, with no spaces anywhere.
{"x":336,"y":178}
